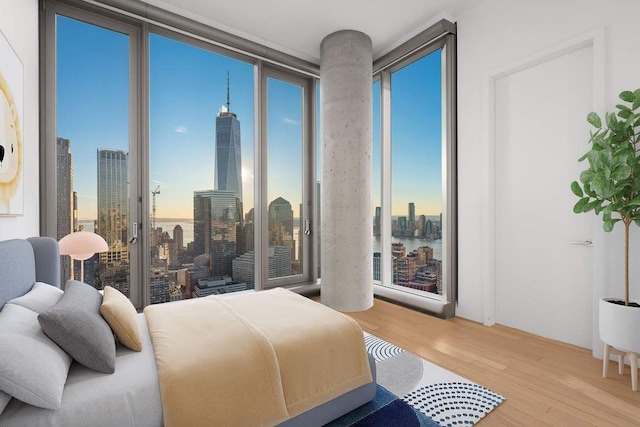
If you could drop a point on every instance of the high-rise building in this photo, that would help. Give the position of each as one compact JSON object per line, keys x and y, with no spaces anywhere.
{"x":281,"y":225}
{"x":113,"y":217}
{"x":376,"y":222}
{"x":178,"y":237}
{"x":228,"y":175}
{"x":412,"y":216}
{"x":64,"y":187}
{"x":113,"y":196}
{"x":159,"y":290}
{"x":422,"y":223}
{"x":377,"y":265}
{"x":216,"y":221}
{"x":65,"y":207}
{"x":281,"y":215}
{"x":402,"y":223}
{"x":279,"y":261}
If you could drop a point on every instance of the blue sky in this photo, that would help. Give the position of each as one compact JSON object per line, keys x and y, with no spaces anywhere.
{"x":187,"y":90}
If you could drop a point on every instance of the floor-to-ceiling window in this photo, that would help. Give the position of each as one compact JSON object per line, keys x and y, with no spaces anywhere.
{"x":288,"y":185}
{"x":193,"y":161}
{"x":414,"y":215}
{"x":416,"y":174}
{"x":200,"y":170}
{"x":94,"y":145}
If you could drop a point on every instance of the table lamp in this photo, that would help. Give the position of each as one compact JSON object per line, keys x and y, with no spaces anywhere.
{"x":82,"y":245}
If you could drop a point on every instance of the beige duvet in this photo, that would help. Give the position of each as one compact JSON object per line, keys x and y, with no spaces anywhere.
{"x":254,"y":359}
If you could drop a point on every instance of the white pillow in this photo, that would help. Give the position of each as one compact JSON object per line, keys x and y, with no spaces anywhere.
{"x":40,"y":298}
{"x":33,"y":369}
{"x":4,"y":400}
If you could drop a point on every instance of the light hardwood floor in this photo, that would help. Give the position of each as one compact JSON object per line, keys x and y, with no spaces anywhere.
{"x":545,"y":382}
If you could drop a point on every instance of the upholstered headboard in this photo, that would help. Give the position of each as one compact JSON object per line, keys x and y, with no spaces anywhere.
{"x":23,"y":262}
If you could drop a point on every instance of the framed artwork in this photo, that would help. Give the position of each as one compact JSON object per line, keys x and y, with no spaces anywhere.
{"x":11,"y":131}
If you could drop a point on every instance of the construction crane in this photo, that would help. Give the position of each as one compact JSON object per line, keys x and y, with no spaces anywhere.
{"x":153,"y":210}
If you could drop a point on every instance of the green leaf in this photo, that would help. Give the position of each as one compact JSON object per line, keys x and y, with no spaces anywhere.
{"x":593,"y":205}
{"x":625,"y":113}
{"x":587,"y":176}
{"x":608,"y":226}
{"x":579,"y":207}
{"x":594,"y":119}
{"x":628,"y":96}
{"x":575,"y":187}
{"x":636,"y":103}
{"x":621,"y":172}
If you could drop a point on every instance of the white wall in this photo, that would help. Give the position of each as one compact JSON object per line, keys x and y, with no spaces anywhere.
{"x":495,"y":34}
{"x":19,"y":24}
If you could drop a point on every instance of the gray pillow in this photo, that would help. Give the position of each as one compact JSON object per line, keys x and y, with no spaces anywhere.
{"x":33,"y":369}
{"x":75,"y":324}
{"x":41,"y":297}
{"x":4,"y":400}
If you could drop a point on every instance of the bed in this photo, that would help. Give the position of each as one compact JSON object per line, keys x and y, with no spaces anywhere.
{"x":132,"y":394}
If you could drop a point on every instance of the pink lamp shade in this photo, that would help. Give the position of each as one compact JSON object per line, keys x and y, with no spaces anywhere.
{"x":82,"y":245}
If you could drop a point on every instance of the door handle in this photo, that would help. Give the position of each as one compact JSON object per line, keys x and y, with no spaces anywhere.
{"x":134,"y":233}
{"x":583,"y":243}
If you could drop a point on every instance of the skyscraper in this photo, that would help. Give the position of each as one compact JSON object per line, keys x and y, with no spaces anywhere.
{"x":64,"y":187}
{"x":113,"y":196}
{"x":412,"y":216}
{"x":65,"y":208}
{"x":228,"y":151}
{"x":376,"y":222}
{"x":281,"y":225}
{"x":281,"y":215}
{"x":113,"y":217}
{"x":178,"y":237}
{"x":216,"y":217}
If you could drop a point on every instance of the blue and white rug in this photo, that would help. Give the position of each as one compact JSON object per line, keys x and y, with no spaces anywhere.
{"x":444,"y":397}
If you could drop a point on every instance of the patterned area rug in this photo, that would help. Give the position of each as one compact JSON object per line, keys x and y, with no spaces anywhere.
{"x":385,"y":410}
{"x":444,"y":397}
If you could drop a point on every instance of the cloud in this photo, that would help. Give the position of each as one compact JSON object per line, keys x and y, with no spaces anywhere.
{"x":290,"y":121}
{"x":180,"y":129}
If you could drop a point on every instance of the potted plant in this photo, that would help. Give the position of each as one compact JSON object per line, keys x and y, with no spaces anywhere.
{"x":611,"y":186}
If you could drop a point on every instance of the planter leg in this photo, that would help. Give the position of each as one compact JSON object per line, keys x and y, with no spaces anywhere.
{"x":605,"y":360}
{"x":621,"y":363}
{"x":633,"y":357}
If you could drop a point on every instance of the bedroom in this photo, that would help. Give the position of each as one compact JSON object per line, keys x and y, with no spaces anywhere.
{"x":494,"y":37}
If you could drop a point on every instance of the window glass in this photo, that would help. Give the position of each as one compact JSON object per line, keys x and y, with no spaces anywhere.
{"x":416,"y":175}
{"x":201,"y":172}
{"x":92,"y":147}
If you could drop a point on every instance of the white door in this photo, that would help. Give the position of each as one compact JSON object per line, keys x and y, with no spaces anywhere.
{"x":543,"y":281}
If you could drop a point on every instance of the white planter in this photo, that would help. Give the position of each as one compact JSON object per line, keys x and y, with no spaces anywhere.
{"x":620,"y":325}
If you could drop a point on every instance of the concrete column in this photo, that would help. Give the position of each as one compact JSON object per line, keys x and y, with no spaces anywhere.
{"x":347,"y":253}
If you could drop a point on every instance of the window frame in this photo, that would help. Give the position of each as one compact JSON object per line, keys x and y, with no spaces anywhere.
{"x":48,"y":122}
{"x":385,"y":67}
{"x":308,"y":178}
{"x":139,"y":30}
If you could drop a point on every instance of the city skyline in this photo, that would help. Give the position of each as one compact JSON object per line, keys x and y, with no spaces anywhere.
{"x":185,"y":97}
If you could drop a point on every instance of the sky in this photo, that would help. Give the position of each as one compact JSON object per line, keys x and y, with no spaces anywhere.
{"x":187,"y":91}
